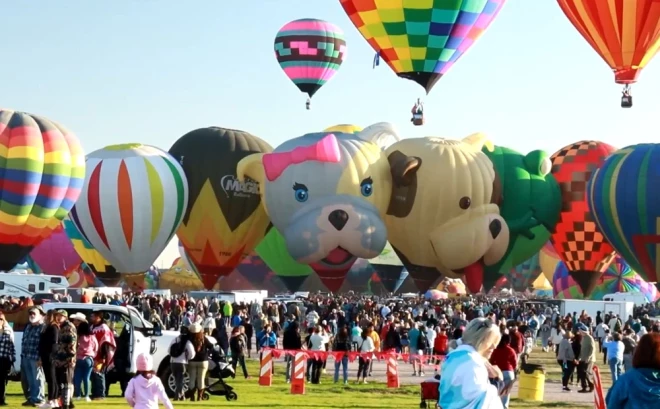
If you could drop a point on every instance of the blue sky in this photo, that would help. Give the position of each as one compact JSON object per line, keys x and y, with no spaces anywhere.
{"x":149,"y":71}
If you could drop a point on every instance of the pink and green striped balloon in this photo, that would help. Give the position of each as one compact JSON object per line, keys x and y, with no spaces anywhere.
{"x":310,"y":52}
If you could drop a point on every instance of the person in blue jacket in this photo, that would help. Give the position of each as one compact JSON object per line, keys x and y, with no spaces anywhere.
{"x":639,"y":388}
{"x":266,"y":338}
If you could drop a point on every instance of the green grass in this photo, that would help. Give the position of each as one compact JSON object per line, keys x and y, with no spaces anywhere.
{"x":325,"y":396}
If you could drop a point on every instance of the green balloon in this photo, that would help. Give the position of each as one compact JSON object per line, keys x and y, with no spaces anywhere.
{"x":530,"y":205}
{"x":273,"y":252}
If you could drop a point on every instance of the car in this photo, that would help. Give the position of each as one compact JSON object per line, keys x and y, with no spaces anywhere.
{"x":143,"y":340}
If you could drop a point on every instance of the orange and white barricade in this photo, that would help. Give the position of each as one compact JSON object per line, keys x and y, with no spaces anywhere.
{"x":266,"y":370}
{"x":392,"y":371}
{"x":298,"y":374}
{"x":599,"y":399}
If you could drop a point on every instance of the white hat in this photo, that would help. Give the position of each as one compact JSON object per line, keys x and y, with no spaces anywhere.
{"x":78,"y":316}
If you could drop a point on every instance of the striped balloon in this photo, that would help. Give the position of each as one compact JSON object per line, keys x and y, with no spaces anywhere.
{"x":42,"y":166}
{"x":310,"y":52}
{"x":131,"y":205}
{"x":624,"y":200}
{"x":620,"y":278}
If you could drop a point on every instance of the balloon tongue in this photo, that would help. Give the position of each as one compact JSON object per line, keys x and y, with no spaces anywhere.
{"x":473,"y":275}
{"x":337,"y":256}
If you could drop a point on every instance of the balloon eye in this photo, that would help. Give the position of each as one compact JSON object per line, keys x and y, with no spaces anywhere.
{"x":546,"y":167}
{"x":367,"y":187}
{"x":464,"y":203}
{"x":300,"y":192}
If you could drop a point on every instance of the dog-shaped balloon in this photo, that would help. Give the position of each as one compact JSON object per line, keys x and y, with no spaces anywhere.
{"x":444,"y":211}
{"x":327,"y":193}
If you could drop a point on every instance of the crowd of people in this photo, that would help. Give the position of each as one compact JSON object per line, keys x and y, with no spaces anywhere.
{"x":64,"y":358}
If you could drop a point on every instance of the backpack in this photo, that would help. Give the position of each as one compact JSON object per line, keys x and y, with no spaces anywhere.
{"x":422,"y":342}
{"x":177,"y":348}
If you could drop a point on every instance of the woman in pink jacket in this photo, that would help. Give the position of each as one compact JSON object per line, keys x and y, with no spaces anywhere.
{"x":145,"y":390}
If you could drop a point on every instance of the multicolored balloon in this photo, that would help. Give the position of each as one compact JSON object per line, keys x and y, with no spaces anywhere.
{"x":548,"y":260}
{"x":272,"y":250}
{"x":43,"y":169}
{"x":103,"y":270}
{"x":626,"y":205}
{"x":185,"y":259}
{"x":224,"y":220}
{"x":564,"y":286}
{"x":310,"y":52}
{"x":523,"y":275}
{"x":421,"y":39}
{"x":626,"y":34}
{"x":577,"y":238}
{"x":620,"y":278}
{"x":389,"y":268}
{"x":132,"y":203}
{"x":56,"y":255}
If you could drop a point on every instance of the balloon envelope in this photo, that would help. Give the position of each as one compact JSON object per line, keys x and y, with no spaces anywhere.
{"x":131,"y":205}
{"x":103,"y":270}
{"x":224,"y":220}
{"x":273,"y":252}
{"x":56,"y":255}
{"x":43,"y":171}
{"x":389,"y":268}
{"x":421,"y":40}
{"x":625,"y":202}
{"x":577,"y":238}
{"x":310,"y":51}
{"x":625,"y":33}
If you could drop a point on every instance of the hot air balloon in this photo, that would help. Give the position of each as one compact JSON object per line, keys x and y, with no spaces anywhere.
{"x":132,"y":203}
{"x":56,"y":255}
{"x":103,"y":270}
{"x":530,"y":202}
{"x":577,"y":238}
{"x":564,"y":287}
{"x":43,"y":171}
{"x":224,"y":220}
{"x":185,"y":259}
{"x":624,"y":203}
{"x":523,"y":275}
{"x":310,"y":52}
{"x":419,"y":39}
{"x":626,"y":34}
{"x":548,"y":260}
{"x":620,"y":278}
{"x":388,"y":267}
{"x":273,"y":252}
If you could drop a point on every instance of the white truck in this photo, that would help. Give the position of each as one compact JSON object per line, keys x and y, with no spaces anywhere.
{"x":622,"y":308}
{"x":143,"y":339}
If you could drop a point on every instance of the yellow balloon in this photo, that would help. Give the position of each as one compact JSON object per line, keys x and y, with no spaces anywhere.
{"x":548,"y":264}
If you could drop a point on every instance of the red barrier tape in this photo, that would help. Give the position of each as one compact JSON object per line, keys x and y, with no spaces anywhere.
{"x":353,"y":355}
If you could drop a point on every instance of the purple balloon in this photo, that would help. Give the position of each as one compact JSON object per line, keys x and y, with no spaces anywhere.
{"x":56,"y":255}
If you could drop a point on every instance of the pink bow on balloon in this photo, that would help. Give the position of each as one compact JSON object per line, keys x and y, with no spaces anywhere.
{"x":325,"y":150}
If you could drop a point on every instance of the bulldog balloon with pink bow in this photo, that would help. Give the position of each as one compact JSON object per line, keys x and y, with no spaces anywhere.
{"x":327,"y":193}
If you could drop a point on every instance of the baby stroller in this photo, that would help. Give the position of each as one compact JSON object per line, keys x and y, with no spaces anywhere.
{"x":219,"y":369}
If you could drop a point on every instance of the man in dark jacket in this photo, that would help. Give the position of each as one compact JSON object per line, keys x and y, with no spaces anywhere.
{"x":291,"y":341}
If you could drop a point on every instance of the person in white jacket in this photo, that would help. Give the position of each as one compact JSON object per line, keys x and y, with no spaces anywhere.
{"x":317,"y":342}
{"x":366,"y":348}
{"x":556,"y":336}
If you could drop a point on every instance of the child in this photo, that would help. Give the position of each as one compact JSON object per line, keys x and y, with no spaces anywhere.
{"x":529,"y":345}
{"x":145,"y":389}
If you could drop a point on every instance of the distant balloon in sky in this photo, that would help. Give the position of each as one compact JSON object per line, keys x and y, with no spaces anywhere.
{"x":310,"y":51}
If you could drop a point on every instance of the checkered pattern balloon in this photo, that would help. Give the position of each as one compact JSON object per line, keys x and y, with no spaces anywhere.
{"x":577,"y":238}
{"x":310,"y":52}
{"x":564,"y":286}
{"x":421,"y":39}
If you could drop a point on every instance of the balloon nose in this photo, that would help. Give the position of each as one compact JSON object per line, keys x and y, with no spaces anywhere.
{"x":338,"y":219}
{"x":495,"y":228}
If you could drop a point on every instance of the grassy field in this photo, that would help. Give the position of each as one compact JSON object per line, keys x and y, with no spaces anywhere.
{"x":327,"y":395}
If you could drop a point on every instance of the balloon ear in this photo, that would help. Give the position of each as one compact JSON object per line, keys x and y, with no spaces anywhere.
{"x":382,"y":134}
{"x":538,"y":163}
{"x":479,"y":141}
{"x":252,"y":167}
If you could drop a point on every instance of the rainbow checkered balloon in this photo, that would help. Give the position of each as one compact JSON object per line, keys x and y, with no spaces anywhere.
{"x":43,"y":170}
{"x":310,"y":52}
{"x":421,"y":39}
{"x":564,"y":287}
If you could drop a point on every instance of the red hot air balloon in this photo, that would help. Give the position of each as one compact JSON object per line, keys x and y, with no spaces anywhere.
{"x":577,"y":238}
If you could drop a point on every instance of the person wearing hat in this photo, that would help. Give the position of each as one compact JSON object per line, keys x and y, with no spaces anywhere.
{"x":587,"y":359}
{"x":199,"y":364}
{"x":77,"y":318}
{"x":32,"y":375}
{"x":64,"y":357}
{"x":106,"y":351}
{"x":47,"y":344}
{"x":145,"y":390}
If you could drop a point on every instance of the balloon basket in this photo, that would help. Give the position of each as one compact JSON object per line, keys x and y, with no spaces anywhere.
{"x":626,"y":101}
